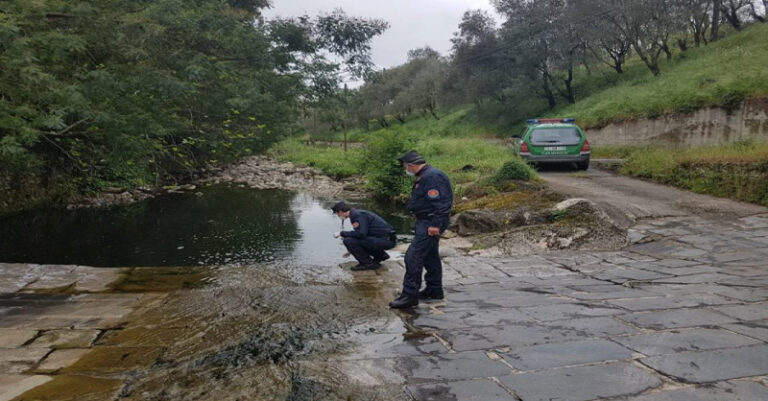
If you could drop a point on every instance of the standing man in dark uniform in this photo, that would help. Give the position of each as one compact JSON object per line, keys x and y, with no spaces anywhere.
{"x":370,"y":237}
{"x":431,"y":202}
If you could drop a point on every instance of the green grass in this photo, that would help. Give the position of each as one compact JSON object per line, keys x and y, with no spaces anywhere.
{"x":738,"y":171}
{"x":332,"y":161}
{"x":449,"y":154}
{"x":720,"y":74}
{"x":743,"y":152}
{"x":456,"y":122}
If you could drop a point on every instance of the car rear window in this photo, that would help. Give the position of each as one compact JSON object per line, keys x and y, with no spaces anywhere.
{"x":555,"y":136}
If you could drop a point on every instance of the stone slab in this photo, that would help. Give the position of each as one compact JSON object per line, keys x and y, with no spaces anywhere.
{"x":495,"y":337}
{"x":115,"y":359}
{"x":640,"y":304}
{"x":757,"y":329}
{"x":582,"y":383}
{"x":60,"y":359}
{"x":18,"y":360}
{"x":670,"y":342}
{"x":65,"y":339}
{"x":467,"y":390}
{"x":594,"y":326}
{"x":733,"y":391}
{"x":12,"y":386}
{"x":567,"y":311}
{"x":14,"y":338}
{"x":711,"y":366}
{"x":74,"y":388}
{"x":570,"y":353}
{"x":677,"y":318}
{"x":745,"y":312}
{"x":457,"y":320}
{"x":462,"y":365}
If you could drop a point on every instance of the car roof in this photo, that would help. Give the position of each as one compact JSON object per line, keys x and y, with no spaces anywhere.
{"x":553,"y":125}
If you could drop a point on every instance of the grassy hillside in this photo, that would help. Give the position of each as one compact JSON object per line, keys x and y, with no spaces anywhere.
{"x":721,"y":74}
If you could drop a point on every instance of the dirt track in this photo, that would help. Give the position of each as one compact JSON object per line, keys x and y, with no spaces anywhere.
{"x":628,"y":200}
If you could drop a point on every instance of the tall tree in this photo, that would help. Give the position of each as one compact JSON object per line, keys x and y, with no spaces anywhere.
{"x":129,"y":92}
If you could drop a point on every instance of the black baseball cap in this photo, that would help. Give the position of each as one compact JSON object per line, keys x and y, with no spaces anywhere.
{"x":340,"y":207}
{"x":412,"y":157}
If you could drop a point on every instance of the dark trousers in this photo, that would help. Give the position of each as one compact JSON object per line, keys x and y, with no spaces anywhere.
{"x":369,"y":249}
{"x":423,"y":254}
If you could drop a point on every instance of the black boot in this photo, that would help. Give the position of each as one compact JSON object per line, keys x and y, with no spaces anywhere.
{"x":383,"y":258}
{"x":431,"y":294}
{"x":368,"y":266}
{"x":404,"y":301}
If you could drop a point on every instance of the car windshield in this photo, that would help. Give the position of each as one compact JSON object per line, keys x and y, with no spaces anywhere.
{"x":555,"y":136}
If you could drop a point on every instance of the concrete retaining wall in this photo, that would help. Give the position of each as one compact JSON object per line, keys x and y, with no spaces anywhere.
{"x":710,"y":126}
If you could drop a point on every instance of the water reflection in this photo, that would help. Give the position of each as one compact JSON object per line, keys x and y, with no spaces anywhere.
{"x":226,"y":225}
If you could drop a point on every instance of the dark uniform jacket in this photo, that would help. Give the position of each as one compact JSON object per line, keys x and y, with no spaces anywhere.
{"x":367,"y":224}
{"x":431,"y":196}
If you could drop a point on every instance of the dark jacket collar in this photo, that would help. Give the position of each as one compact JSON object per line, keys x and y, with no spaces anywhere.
{"x":423,"y":170}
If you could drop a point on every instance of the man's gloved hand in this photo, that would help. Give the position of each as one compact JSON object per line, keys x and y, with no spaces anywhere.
{"x":337,"y":234}
{"x":433,"y":231}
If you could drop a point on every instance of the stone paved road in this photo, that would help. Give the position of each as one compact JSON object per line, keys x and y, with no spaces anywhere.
{"x":681,"y":314}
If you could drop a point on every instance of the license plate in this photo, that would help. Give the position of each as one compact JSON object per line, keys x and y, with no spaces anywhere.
{"x":554,"y":148}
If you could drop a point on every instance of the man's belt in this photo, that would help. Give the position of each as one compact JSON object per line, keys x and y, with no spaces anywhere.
{"x":429,"y":216}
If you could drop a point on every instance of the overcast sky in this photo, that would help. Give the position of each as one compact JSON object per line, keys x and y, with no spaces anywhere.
{"x":413,"y":23}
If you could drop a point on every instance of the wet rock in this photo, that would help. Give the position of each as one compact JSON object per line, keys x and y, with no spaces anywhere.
{"x":475,"y":222}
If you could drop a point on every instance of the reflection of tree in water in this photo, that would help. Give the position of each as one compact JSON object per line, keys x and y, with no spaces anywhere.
{"x":226,"y":225}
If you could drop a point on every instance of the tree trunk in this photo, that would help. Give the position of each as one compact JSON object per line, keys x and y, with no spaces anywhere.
{"x":714,"y":33}
{"x":345,"y":138}
{"x":665,"y":48}
{"x":650,"y":62}
{"x":569,"y":95}
{"x":732,"y":16}
{"x":546,"y":87}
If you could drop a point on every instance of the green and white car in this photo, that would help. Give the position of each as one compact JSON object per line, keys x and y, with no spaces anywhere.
{"x":553,"y":140}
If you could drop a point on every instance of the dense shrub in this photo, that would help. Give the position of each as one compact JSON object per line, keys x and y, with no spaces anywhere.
{"x":386,"y":177}
{"x":514,"y":169}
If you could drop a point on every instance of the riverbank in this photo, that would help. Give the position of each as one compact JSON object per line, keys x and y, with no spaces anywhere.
{"x":258,"y":172}
{"x":264,"y":172}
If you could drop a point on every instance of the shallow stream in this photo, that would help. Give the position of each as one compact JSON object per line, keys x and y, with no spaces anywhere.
{"x":218,"y":225}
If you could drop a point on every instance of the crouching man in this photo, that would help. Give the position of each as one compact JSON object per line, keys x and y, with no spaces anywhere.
{"x":370,"y":238}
